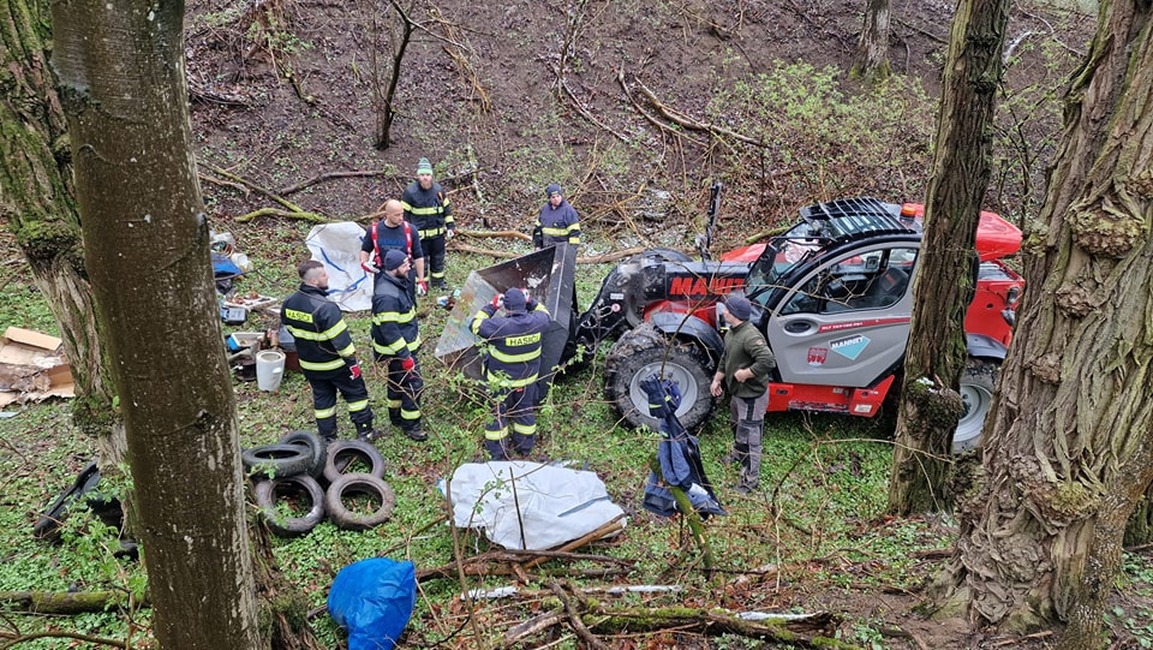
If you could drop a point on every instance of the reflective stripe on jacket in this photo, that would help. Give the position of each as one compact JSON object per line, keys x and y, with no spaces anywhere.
{"x":395,"y":329}
{"x":514,"y":344}
{"x":559,"y":225}
{"x":429,"y":210}
{"x":322,"y":339}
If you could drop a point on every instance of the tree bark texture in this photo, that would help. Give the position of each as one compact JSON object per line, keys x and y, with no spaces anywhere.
{"x":1069,"y":451}
{"x":37,"y":199}
{"x":873,"y":47}
{"x":946,"y":266}
{"x":123,"y":89}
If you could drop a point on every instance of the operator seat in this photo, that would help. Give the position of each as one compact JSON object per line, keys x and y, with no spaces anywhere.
{"x":887,"y":289}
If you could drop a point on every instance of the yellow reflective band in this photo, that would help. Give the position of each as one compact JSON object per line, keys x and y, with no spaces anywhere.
{"x":514,"y":358}
{"x":321,"y":414}
{"x":524,"y":429}
{"x":410,"y":415}
{"x":504,"y":381}
{"x":326,"y":335}
{"x":433,"y":232}
{"x":394,"y":317}
{"x":500,"y":434}
{"x":390,"y":349}
{"x":393,"y":403}
{"x":353,"y":407}
{"x":480,"y":316}
{"x":413,"y":346}
{"x":527,"y":339}
{"x":424,"y":212}
{"x":347,"y":351}
{"x":301,"y":316}
{"x":438,"y":275}
{"x":320,"y":366}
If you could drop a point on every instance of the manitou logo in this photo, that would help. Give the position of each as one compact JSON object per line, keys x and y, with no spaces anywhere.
{"x":698,"y":287}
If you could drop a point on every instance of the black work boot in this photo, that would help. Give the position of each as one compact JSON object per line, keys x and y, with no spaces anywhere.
{"x":416,"y":434}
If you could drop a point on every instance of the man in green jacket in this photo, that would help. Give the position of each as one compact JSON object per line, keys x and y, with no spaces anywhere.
{"x":744,"y":371}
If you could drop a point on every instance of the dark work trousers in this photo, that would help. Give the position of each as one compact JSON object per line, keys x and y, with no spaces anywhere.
{"x":748,"y":420}
{"x":325,"y":386}
{"x":515,"y":410}
{"x":404,"y":388}
{"x":434,"y":258}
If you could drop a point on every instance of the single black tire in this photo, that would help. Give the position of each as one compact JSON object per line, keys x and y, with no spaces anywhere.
{"x":277,"y":461}
{"x":977,"y":382}
{"x":269,"y":492}
{"x":317,"y":447}
{"x":341,"y":454}
{"x":645,"y":351}
{"x":368,"y":484}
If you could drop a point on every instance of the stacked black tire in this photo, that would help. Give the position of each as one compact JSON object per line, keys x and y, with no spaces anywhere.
{"x":301,"y":464}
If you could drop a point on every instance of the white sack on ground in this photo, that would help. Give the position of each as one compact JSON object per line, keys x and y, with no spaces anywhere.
{"x":337,"y":245}
{"x":557,"y":504}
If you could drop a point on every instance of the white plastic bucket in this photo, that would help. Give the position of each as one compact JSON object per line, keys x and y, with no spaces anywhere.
{"x":269,"y":369}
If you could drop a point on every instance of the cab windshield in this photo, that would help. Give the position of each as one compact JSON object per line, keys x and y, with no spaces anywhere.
{"x":782,"y":254}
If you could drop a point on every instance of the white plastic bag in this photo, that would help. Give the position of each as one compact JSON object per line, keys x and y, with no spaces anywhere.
{"x":337,"y":245}
{"x":556,"y":504}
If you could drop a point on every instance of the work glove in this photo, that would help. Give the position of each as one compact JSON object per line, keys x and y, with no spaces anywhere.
{"x":354,"y":370}
{"x":407,"y":364}
{"x":497,"y":301}
{"x":422,"y":287}
{"x":449,"y":234}
{"x":369,"y":267}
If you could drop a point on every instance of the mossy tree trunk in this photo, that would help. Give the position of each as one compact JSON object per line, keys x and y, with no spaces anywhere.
{"x":945,"y":275}
{"x":37,"y":199}
{"x":121,"y":79}
{"x":872,"y":61}
{"x":1069,"y":448}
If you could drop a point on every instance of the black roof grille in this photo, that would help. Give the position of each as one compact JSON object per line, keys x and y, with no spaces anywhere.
{"x":856,"y":217}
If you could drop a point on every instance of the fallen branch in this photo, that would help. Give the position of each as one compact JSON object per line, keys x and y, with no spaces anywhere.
{"x":15,"y":640}
{"x":808,"y":630}
{"x":481,"y":234}
{"x":694,"y":125}
{"x":257,"y":188}
{"x":292,"y":189}
{"x":573,"y":613}
{"x":508,"y":255}
{"x":532,"y":626}
{"x":274,"y":212}
{"x":648,"y":116}
{"x":67,"y":602}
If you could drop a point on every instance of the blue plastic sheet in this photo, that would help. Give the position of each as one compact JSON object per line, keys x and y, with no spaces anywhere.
{"x":373,"y":599}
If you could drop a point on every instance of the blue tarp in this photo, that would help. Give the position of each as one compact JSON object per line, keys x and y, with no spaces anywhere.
{"x":373,"y":599}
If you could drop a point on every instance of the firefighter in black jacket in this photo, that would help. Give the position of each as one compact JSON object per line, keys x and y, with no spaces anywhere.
{"x":395,"y":340}
{"x":514,"y":347}
{"x":326,"y":353}
{"x":427,"y":207}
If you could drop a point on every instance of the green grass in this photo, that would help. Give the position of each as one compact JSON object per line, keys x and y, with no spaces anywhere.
{"x":818,"y":517}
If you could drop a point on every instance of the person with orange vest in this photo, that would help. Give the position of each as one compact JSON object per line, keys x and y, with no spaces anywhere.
{"x":393,"y":233}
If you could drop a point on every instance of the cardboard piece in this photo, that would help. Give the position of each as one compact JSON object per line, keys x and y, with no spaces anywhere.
{"x":32,"y":367}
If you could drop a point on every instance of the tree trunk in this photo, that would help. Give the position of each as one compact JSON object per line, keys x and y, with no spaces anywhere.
{"x":121,"y":75}
{"x":935,"y":357}
{"x":37,"y":199}
{"x":1069,"y":451}
{"x":872,"y":60}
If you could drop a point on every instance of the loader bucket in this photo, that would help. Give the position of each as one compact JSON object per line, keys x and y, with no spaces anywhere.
{"x":548,"y":274}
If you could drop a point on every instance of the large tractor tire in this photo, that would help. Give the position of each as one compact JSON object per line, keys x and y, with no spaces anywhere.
{"x":977,"y":382}
{"x":645,"y":351}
